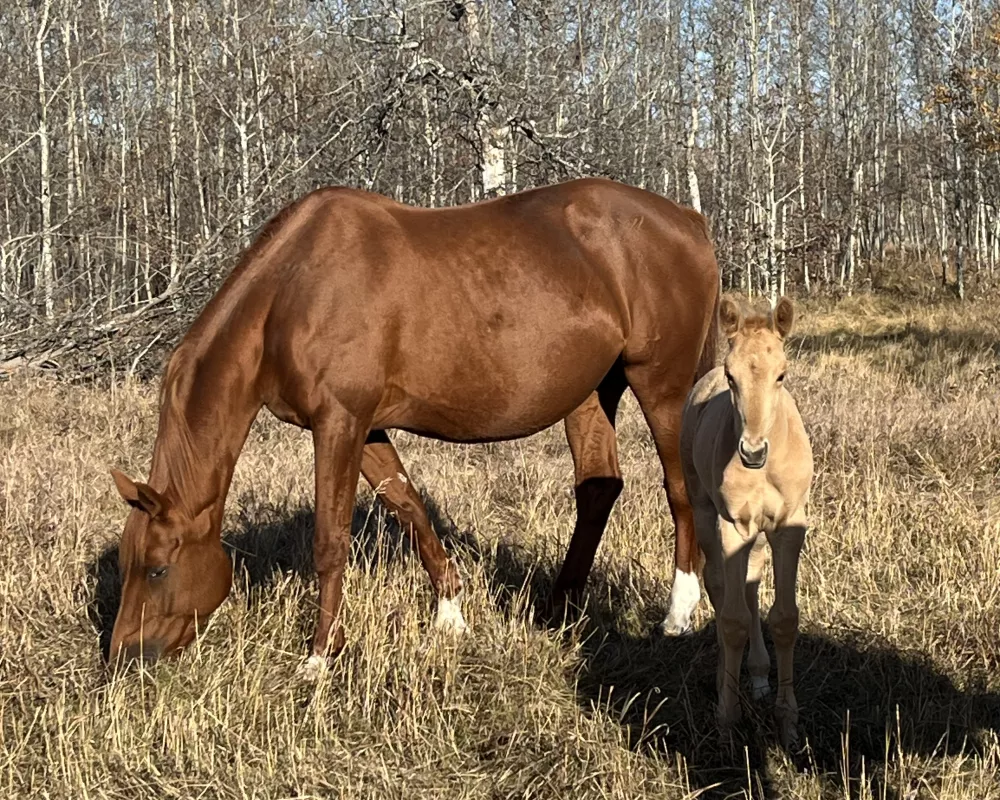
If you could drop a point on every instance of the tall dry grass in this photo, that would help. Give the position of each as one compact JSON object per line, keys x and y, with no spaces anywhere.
{"x":897,"y":665}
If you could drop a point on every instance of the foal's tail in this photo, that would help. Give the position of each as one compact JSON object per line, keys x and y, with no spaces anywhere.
{"x":709,"y":350}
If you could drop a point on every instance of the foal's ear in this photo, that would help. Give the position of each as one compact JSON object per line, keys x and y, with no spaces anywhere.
{"x":783,"y":317}
{"x":139,"y":495}
{"x":730,"y":317}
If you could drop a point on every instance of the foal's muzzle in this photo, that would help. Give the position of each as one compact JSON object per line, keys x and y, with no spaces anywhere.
{"x":753,"y":458}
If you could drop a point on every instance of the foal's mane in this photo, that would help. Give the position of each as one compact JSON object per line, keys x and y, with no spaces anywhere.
{"x":757,"y":322}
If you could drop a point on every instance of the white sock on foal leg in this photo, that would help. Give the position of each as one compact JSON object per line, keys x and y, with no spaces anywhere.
{"x":449,"y":615}
{"x":684,"y":597}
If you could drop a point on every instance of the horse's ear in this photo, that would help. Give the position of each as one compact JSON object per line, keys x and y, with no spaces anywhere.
{"x":139,"y":495}
{"x":783,"y":317}
{"x":730,"y":317}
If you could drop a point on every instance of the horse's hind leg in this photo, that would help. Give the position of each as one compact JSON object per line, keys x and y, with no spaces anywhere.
{"x":590,"y":431}
{"x":382,"y":468}
{"x":663,"y":405}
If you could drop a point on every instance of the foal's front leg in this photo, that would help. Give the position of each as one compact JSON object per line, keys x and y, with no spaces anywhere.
{"x":733,"y":620}
{"x":783,"y":620}
{"x":338,"y":441}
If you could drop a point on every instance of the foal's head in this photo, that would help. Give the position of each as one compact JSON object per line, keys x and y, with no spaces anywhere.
{"x":755,"y":370}
{"x":174,"y":574}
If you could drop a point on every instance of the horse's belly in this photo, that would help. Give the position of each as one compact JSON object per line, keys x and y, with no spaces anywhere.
{"x":500,"y":395}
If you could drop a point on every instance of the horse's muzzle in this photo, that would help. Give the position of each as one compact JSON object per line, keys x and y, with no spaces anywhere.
{"x":753,"y":458}
{"x":148,"y":652}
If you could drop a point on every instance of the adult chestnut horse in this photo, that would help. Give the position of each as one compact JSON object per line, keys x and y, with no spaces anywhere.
{"x":352,"y":314}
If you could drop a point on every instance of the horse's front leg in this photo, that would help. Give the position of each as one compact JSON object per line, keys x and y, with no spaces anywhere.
{"x":338,"y":440}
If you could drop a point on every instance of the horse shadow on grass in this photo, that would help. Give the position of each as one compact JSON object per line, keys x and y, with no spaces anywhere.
{"x":861,"y":701}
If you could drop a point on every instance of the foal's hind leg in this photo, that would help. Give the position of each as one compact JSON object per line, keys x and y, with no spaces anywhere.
{"x":590,"y":430}
{"x":382,"y":468}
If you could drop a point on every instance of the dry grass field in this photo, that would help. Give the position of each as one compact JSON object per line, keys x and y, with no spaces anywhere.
{"x":898,"y":664}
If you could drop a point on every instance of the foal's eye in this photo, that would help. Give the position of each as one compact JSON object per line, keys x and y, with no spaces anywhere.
{"x":781,"y":378}
{"x":156,"y":573}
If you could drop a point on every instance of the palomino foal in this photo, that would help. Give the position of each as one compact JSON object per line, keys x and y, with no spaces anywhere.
{"x":748,"y":467}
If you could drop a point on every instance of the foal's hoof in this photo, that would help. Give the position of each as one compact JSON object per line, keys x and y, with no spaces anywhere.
{"x":449,"y":617}
{"x":565,"y":600}
{"x":726,"y":719}
{"x":760,"y":689}
{"x":313,"y":668}
{"x":788,"y":734}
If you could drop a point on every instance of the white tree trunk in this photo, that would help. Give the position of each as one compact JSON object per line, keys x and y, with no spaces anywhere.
{"x":46,"y":266}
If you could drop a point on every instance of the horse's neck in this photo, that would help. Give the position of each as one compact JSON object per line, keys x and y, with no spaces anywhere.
{"x":207,"y":408}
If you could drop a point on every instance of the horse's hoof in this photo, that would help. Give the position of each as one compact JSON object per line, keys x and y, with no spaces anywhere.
{"x":671,"y":628}
{"x":565,"y":599}
{"x":313,"y":668}
{"x":449,"y":617}
{"x":684,"y":597}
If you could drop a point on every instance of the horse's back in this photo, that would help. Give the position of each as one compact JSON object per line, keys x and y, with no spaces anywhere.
{"x":486,"y":320}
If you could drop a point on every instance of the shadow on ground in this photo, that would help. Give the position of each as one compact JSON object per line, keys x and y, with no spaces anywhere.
{"x":661,"y":691}
{"x":963,"y":343}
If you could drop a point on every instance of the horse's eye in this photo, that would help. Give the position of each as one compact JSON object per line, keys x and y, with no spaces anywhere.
{"x":781,"y":377}
{"x":156,"y":573}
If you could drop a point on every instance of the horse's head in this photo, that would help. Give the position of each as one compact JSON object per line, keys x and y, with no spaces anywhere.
{"x":174,"y":575}
{"x":755,"y":370}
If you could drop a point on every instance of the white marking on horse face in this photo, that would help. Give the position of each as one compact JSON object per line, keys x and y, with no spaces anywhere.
{"x":760,"y":687}
{"x":449,"y":615}
{"x":402,"y":478}
{"x":684,"y":597}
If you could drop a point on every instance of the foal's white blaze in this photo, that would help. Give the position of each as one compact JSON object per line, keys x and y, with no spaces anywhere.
{"x":684,"y":597}
{"x":313,"y":667}
{"x":449,"y":615}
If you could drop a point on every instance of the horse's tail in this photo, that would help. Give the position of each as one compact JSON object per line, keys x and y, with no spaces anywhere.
{"x":709,"y":350}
